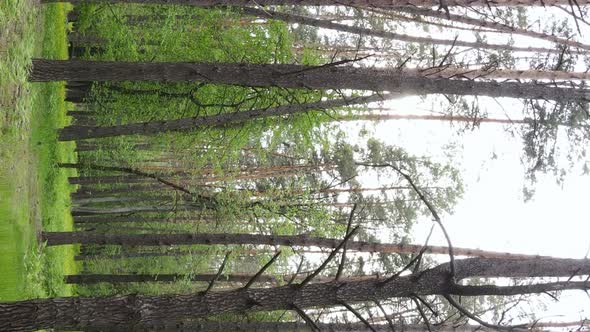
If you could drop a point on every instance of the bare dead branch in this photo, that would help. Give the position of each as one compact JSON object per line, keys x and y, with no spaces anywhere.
{"x":467,"y":313}
{"x":299,"y":267}
{"x":359,"y":316}
{"x":551,"y":296}
{"x":427,"y":305}
{"x":444,"y":59}
{"x":422,"y":314}
{"x":434,"y":215}
{"x":348,"y":226}
{"x":389,"y":321}
{"x":418,"y":263}
{"x":218,"y":272}
{"x":398,"y":273}
{"x":332,"y":254}
{"x":415,"y":260}
{"x":261,"y":271}
{"x":312,"y":325}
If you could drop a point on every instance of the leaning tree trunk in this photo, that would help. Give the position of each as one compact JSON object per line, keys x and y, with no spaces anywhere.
{"x":178,"y":253}
{"x":135,"y":312}
{"x":449,"y":118}
{"x":90,"y":211}
{"x":304,"y":20}
{"x":324,"y":327}
{"x":294,"y":76}
{"x":241,"y":278}
{"x":244,"y":326}
{"x":493,"y":73}
{"x":61,"y":238}
{"x":126,"y":278}
{"x":463,"y":19}
{"x":354,"y":3}
{"x":155,"y":127}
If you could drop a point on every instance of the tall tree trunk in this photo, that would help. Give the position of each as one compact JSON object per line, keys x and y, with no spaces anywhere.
{"x":132,"y":312}
{"x":127,"y":190}
{"x":77,"y":92}
{"x":179,"y":252}
{"x":125,"y":278}
{"x":343,"y":327}
{"x":59,"y":238}
{"x":450,"y":118}
{"x":354,"y":3}
{"x":243,"y":278}
{"x":155,"y":127}
{"x":143,"y":219}
{"x":294,"y":76}
{"x":493,"y":73}
{"x":86,"y":40}
{"x":107,"y":179}
{"x":263,"y":193}
{"x":487,"y":24}
{"x":118,"y":199}
{"x":292,"y":18}
{"x":82,"y":211}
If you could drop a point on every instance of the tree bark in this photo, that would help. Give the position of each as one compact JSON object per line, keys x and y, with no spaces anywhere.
{"x":60,"y":238}
{"x":128,"y":170}
{"x":77,"y":92}
{"x":82,"y":211}
{"x":294,"y":76}
{"x":359,"y":327}
{"x":354,"y":3}
{"x":155,"y":127}
{"x":133,"y":312}
{"x":450,"y":118}
{"x":486,"y":24}
{"x":178,"y":252}
{"x":242,"y":278}
{"x":125,"y":278}
{"x":292,"y":18}
{"x":493,"y":73}
{"x":108,"y":179}
{"x":324,"y":327}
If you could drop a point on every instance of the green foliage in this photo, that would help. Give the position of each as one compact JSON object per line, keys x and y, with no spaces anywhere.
{"x":270,"y":176}
{"x":176,"y":33}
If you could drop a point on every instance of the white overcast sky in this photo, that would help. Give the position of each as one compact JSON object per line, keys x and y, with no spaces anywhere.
{"x":492,"y":214}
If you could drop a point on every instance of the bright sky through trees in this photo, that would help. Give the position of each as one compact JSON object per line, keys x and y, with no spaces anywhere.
{"x":492,"y":214}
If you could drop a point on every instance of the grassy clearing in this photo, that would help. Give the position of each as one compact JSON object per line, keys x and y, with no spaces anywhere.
{"x":17,"y":236}
{"x":34,"y":193}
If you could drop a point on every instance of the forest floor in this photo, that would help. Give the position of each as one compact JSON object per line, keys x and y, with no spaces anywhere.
{"x":34,"y":192}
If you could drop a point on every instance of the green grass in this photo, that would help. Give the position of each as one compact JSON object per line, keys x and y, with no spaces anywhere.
{"x":17,"y":236}
{"x":34,"y":193}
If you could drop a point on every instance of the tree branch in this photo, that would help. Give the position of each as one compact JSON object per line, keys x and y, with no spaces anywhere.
{"x":416,"y":260}
{"x":343,"y":259}
{"x":312,"y":325}
{"x":359,"y":316}
{"x":332,"y":254}
{"x":259,"y":273}
{"x":299,"y":267}
{"x":434,"y":215}
{"x":389,"y":321}
{"x":422,"y":314}
{"x":218,"y":272}
{"x":477,"y":319}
